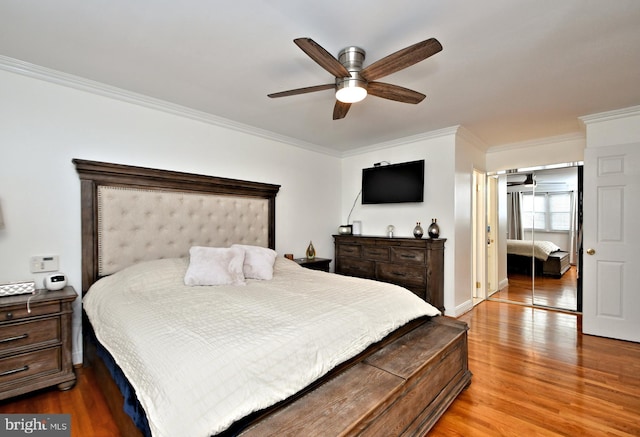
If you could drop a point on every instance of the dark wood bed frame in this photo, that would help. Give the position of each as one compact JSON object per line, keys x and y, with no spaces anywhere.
{"x":399,"y":386}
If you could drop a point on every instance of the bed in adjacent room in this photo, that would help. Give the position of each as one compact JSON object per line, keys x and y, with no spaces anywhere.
{"x":197,"y":327}
{"x":544,"y":256}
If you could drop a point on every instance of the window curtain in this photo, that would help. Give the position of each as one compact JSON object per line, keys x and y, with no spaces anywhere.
{"x":514,"y":218}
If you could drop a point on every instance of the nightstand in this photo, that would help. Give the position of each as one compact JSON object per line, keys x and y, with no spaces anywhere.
{"x":315,"y":263}
{"x":35,"y":342}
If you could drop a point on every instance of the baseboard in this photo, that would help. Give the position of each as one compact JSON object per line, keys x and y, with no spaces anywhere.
{"x":461,"y":309}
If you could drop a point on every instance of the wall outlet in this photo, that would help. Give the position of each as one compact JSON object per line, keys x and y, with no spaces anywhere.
{"x":46,"y":263}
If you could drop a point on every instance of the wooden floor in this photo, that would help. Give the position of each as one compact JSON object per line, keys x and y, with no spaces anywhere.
{"x":546,"y":291}
{"x":90,"y":416}
{"x":534,"y":374}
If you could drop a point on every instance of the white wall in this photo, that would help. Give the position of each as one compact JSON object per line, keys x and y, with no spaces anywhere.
{"x":545,"y":151}
{"x":468,"y":158}
{"x":450,"y":157}
{"x":438,"y":153}
{"x":43,"y":126}
{"x":614,"y":127}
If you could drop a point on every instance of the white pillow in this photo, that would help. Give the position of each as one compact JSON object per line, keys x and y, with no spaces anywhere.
{"x":258,"y":261}
{"x":215,"y":266}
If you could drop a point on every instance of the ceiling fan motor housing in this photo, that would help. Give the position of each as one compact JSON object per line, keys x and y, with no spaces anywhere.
{"x":352,"y":58}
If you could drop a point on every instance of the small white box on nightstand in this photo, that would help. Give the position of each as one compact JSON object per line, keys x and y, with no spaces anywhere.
{"x":14,"y":288}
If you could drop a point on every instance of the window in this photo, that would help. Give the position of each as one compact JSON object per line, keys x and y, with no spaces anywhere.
{"x":549,"y":212}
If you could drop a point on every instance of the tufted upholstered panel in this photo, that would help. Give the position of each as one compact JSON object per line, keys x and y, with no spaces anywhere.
{"x":138,"y":224}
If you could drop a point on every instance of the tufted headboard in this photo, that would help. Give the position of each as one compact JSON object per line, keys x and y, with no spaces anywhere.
{"x":132,"y":214}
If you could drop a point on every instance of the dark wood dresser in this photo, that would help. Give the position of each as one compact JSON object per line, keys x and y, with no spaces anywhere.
{"x":416,"y":264}
{"x":35,"y":342}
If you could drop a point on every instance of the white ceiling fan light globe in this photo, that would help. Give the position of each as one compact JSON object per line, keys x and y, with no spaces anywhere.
{"x":351,"y":90}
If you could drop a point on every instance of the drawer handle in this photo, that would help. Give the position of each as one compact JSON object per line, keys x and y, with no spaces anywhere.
{"x":399,"y":274}
{"x":17,"y":337}
{"x":11,"y":372}
{"x":408,"y":256}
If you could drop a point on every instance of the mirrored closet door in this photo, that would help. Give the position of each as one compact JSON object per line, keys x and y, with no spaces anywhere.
{"x":539,"y":220}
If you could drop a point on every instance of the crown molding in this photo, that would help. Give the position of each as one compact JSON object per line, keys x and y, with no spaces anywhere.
{"x":610,"y":115}
{"x":71,"y":81}
{"x":448,"y":131}
{"x":472,"y":138}
{"x":574,"y":136}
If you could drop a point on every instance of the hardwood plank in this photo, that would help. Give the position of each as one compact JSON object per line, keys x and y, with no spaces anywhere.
{"x":534,"y":374}
{"x":548,"y":291}
{"x":90,"y":415}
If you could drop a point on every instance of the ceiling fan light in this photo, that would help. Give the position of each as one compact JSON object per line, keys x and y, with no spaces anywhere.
{"x":351,"y":91}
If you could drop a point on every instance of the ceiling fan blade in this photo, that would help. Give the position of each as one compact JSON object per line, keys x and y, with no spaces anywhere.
{"x":322,"y":57}
{"x":401,"y":59}
{"x":340,"y":110}
{"x":309,"y":89}
{"x":394,"y":92}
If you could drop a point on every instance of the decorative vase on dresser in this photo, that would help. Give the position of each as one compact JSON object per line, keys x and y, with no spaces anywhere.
{"x":434,"y":229}
{"x":416,"y":264}
{"x":418,"y":232}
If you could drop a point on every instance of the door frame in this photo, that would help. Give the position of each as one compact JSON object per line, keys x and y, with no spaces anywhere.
{"x":479,"y":217}
{"x":580,"y":191}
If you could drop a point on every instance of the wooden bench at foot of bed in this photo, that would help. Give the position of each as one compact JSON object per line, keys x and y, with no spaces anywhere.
{"x":556,"y":265}
{"x":402,"y":389}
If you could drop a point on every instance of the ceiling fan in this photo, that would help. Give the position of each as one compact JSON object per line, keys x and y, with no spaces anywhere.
{"x":353,"y":83}
{"x":527,"y":180}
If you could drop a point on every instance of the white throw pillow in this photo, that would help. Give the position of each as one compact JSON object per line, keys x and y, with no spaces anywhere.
{"x":258,"y":261}
{"x":215,"y":266}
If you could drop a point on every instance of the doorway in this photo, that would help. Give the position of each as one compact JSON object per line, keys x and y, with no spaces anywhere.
{"x":480,"y":238}
{"x":537,"y":240}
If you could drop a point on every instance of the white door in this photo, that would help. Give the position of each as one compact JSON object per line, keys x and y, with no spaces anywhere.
{"x":479,"y":238}
{"x":492,"y":233}
{"x":611,"y":242}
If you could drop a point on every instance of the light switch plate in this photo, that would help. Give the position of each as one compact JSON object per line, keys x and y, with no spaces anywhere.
{"x":44,"y":263}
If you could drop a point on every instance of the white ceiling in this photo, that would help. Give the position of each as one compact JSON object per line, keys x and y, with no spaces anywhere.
{"x":510,"y":71}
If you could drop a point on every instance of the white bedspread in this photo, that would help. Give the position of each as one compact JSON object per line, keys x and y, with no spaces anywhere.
{"x":539,"y":249}
{"x":201,"y":358}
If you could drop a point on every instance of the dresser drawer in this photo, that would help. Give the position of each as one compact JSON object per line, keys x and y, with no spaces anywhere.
{"x":414,"y":263}
{"x":30,"y":364}
{"x":375,"y":253}
{"x":401,"y":274}
{"x":21,"y":312}
{"x":18,"y":335}
{"x":356,"y":267}
{"x":402,"y":255}
{"x":351,"y":250}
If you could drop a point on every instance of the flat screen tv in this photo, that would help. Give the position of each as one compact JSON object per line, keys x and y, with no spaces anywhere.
{"x":393,"y":183}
